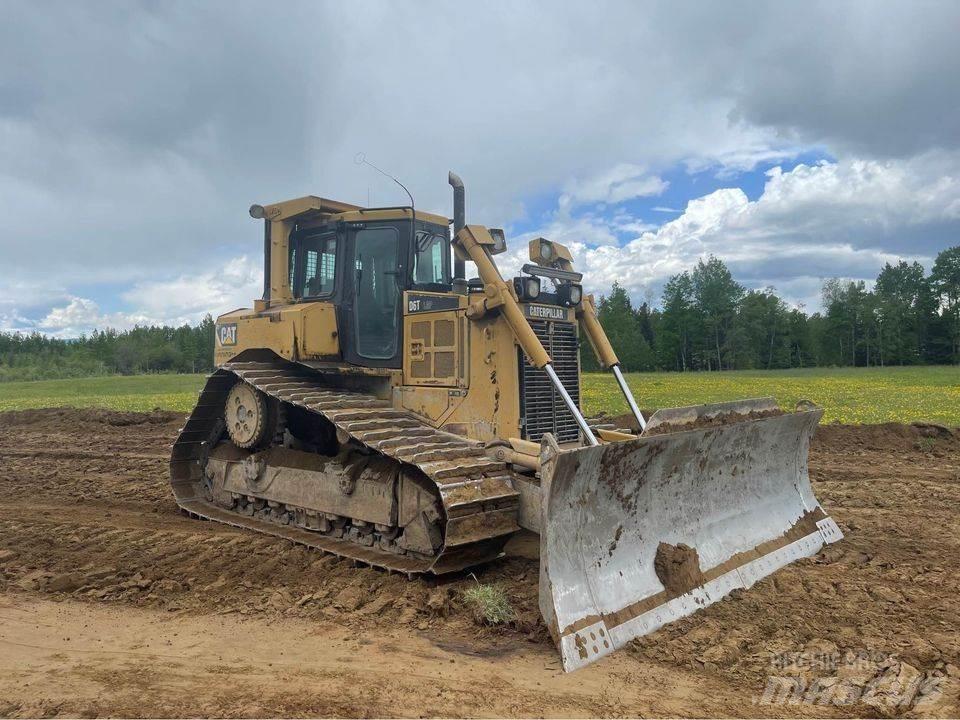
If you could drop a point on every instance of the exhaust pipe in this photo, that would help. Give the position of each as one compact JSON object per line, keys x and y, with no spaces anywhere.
{"x":266,"y":261}
{"x":459,"y":218}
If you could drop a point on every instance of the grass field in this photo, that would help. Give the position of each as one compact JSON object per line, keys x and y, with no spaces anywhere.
{"x":848,"y":395}
{"x":137,"y":392}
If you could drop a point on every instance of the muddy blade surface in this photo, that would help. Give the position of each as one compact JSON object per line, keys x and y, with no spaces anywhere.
{"x":639,"y":533}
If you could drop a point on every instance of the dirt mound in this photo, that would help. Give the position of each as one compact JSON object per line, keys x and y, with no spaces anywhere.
{"x":623,"y":422}
{"x":925,"y":438}
{"x":833,"y":437}
{"x":55,"y":418}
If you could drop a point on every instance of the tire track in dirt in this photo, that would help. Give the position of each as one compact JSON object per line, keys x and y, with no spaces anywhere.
{"x":95,"y":521}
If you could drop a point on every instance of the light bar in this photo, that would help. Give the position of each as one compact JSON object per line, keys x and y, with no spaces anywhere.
{"x":552,"y":273}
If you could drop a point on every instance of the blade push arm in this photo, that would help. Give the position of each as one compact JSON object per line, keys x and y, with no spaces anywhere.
{"x":587,"y":315}
{"x":561,"y":259}
{"x":607,"y":358}
{"x":475,"y":242}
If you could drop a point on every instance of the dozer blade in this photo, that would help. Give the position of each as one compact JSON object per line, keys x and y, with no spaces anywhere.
{"x":638,"y":533}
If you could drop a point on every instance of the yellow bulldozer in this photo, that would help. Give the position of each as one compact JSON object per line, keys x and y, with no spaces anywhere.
{"x":377,"y":404}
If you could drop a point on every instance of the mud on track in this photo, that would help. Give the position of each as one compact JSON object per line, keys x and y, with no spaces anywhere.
{"x":92,"y":545}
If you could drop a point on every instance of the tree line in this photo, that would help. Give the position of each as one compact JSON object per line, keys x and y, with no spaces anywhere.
{"x":705,"y":321}
{"x":181,"y":349}
{"x":708,"y":321}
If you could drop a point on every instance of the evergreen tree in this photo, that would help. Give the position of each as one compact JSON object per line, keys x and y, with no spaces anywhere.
{"x":716,"y":296}
{"x":905,"y":308}
{"x":945,"y":283}
{"x":761,"y":336}
{"x":677,"y":324}
{"x":623,"y":330}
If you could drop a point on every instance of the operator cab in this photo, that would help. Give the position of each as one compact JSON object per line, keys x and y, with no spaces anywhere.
{"x":363,"y":261}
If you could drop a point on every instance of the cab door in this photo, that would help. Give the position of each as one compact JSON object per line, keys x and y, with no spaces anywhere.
{"x":372,"y":302}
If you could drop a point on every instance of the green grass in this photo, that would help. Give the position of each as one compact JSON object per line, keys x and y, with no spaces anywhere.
{"x":848,"y":395}
{"x":489,"y":603}
{"x":139,"y":393}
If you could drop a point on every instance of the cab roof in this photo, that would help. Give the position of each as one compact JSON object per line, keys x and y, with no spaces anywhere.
{"x":312,"y":207}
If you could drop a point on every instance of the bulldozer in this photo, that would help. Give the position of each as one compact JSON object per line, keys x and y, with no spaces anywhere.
{"x":378,"y":405}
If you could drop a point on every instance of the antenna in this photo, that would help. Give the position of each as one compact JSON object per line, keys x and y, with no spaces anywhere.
{"x":361,"y":159}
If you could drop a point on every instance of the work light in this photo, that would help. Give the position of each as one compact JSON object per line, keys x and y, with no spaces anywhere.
{"x":499,"y":241}
{"x":528,"y":288}
{"x":570,"y":294}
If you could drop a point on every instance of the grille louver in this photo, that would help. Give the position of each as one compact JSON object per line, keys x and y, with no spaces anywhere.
{"x":542,"y":408}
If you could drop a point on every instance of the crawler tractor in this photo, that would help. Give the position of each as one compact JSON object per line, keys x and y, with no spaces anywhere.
{"x":377,"y":404}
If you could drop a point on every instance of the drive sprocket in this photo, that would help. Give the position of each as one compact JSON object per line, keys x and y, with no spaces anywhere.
{"x":251,"y":417}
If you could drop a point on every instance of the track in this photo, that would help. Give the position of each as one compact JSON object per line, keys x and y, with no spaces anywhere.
{"x":477,"y":492}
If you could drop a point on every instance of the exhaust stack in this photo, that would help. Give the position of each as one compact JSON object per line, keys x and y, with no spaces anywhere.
{"x":459,"y":219}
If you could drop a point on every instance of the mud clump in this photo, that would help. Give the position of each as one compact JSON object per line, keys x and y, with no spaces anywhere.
{"x":629,"y":422}
{"x":678,"y":568}
{"x":440,"y":602}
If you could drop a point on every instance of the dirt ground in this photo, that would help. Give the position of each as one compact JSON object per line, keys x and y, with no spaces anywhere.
{"x":113,"y":603}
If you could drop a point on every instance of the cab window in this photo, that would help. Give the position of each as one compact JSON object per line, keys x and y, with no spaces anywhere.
{"x":318,"y":258}
{"x":378,"y":289}
{"x":428,"y":259}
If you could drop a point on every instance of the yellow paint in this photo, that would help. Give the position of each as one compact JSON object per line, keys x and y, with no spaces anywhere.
{"x":460,"y":367}
{"x":304,"y":331}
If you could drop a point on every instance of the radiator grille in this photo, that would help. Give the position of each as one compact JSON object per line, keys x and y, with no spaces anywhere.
{"x":541,"y":407}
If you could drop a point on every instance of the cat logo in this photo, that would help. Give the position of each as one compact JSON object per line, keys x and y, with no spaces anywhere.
{"x":227,"y":334}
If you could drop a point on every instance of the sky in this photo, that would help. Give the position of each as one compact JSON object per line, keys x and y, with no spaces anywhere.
{"x":796,"y":141}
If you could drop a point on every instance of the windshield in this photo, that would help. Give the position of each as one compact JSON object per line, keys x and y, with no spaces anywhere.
{"x":428,"y":259}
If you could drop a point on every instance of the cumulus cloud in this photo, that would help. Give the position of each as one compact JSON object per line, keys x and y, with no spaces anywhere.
{"x":844,"y":219}
{"x":82,"y":315}
{"x":190,"y":297}
{"x":13,"y":321}
{"x":185,"y":299}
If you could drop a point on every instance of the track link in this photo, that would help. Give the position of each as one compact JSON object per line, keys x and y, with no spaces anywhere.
{"x":477,"y":492}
